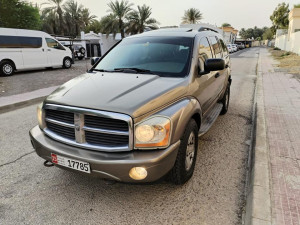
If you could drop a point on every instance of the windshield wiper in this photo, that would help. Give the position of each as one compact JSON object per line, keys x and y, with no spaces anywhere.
{"x":101,"y":70}
{"x":137,"y":70}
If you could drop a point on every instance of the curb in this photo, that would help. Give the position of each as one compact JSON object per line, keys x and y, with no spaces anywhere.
{"x":13,"y":102}
{"x":258,"y":202}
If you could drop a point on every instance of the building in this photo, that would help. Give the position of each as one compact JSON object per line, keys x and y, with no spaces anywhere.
{"x":95,"y":44}
{"x":229,"y":34}
{"x":289,"y":40}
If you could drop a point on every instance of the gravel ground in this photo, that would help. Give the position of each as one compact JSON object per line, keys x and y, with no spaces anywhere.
{"x":22,"y":82}
{"x":33,"y":194}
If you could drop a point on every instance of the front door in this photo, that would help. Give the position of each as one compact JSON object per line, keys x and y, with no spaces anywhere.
{"x":206,"y":89}
{"x":55,"y":52}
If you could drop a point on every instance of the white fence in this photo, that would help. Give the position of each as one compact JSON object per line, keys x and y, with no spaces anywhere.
{"x":289,"y":43}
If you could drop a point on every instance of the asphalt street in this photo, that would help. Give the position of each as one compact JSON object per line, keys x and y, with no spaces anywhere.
{"x":26,"y":81}
{"x":33,"y":194}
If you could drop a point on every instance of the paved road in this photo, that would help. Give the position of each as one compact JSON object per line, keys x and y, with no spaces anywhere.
{"x":27,"y":81}
{"x":33,"y":194}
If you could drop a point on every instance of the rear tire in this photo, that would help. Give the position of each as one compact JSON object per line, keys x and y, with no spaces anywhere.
{"x":80,"y":57}
{"x":186,"y":157}
{"x":225,"y":101}
{"x":7,"y":68}
{"x":67,"y":63}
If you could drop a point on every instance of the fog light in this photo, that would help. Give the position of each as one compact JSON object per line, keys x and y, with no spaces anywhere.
{"x":138,"y":173}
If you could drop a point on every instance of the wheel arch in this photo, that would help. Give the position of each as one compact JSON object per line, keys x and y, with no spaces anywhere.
{"x":10,"y":60}
{"x":181,"y":112}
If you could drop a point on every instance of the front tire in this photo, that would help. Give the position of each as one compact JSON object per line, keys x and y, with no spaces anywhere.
{"x":7,"y":68}
{"x":186,"y":156}
{"x":67,"y":63}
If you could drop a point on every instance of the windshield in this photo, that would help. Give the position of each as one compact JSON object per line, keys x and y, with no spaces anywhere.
{"x":164,"y":56}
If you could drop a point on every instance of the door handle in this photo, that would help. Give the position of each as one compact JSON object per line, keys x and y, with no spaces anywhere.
{"x":217,"y":75}
{"x":43,"y":49}
{"x":49,"y":50}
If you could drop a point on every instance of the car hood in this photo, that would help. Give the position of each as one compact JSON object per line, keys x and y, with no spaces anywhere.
{"x":131,"y":94}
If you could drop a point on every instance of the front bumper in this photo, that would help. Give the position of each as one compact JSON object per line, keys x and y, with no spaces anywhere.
{"x":114,"y":166}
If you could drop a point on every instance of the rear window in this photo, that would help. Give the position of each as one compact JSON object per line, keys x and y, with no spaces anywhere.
{"x":20,"y":42}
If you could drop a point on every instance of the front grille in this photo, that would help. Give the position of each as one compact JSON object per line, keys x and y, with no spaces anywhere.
{"x":61,"y":116}
{"x":63,"y":131}
{"x":96,"y":130}
{"x":105,"y":123}
{"x":105,"y":139}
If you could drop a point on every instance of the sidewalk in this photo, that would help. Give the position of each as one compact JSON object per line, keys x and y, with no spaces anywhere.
{"x":282,"y":113}
{"x":14,"y":101}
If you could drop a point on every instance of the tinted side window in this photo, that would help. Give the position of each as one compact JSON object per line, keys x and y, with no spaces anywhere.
{"x":216,"y":48}
{"x":51,"y":43}
{"x":20,"y":42}
{"x":225,"y":50}
{"x":204,"y":53}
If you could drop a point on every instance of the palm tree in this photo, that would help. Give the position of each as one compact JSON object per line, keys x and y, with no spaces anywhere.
{"x":109,"y":25}
{"x":192,"y":16}
{"x":120,"y":10}
{"x":56,"y":6}
{"x":86,"y":17}
{"x":49,"y":21}
{"x":139,"y":20}
{"x":73,"y":15}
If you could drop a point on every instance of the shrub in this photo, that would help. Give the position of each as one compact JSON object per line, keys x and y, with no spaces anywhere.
{"x":277,"y":48}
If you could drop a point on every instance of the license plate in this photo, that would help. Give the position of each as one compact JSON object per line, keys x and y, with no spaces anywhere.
{"x":71,"y":163}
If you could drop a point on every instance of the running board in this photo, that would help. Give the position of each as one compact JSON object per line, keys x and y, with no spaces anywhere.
{"x":210,"y":119}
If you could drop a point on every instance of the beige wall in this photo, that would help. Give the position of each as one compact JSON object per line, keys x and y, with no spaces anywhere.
{"x":291,"y":40}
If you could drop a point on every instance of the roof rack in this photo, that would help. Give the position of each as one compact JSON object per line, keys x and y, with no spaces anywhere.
{"x":201,"y":27}
{"x":207,"y":29}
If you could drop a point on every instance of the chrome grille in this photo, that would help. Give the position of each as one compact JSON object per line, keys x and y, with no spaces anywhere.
{"x":91,"y":129}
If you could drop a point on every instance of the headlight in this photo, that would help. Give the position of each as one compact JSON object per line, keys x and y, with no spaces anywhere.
{"x":153,"y":132}
{"x":40,"y":116}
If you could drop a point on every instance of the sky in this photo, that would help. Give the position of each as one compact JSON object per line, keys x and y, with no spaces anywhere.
{"x":238,"y":13}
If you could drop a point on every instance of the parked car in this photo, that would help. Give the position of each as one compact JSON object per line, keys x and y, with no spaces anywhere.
{"x":137,"y":114}
{"x":230,"y":49}
{"x":234,"y":47}
{"x":29,"y":49}
{"x":78,"y":51}
{"x":241,"y":46}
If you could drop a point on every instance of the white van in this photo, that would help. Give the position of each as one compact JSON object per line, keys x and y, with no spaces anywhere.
{"x":29,"y":49}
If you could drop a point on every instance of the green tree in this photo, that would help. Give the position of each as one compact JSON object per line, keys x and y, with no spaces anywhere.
{"x":140,"y":19}
{"x":19,"y":14}
{"x":109,"y":25}
{"x":119,"y":11}
{"x":73,"y":17}
{"x":226,"y":25}
{"x":256,"y":33}
{"x":192,"y":16}
{"x":280,"y":16}
{"x":95,"y":26}
{"x":297,"y":6}
{"x":268,"y":34}
{"x":56,"y":8}
{"x":86,"y":17}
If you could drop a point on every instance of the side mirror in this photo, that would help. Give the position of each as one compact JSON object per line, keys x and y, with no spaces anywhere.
{"x":94,"y":60}
{"x":214,"y":64}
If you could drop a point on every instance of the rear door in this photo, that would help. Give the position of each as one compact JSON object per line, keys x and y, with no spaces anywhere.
{"x":206,"y":91}
{"x":55,"y":52}
{"x":34,"y":55}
